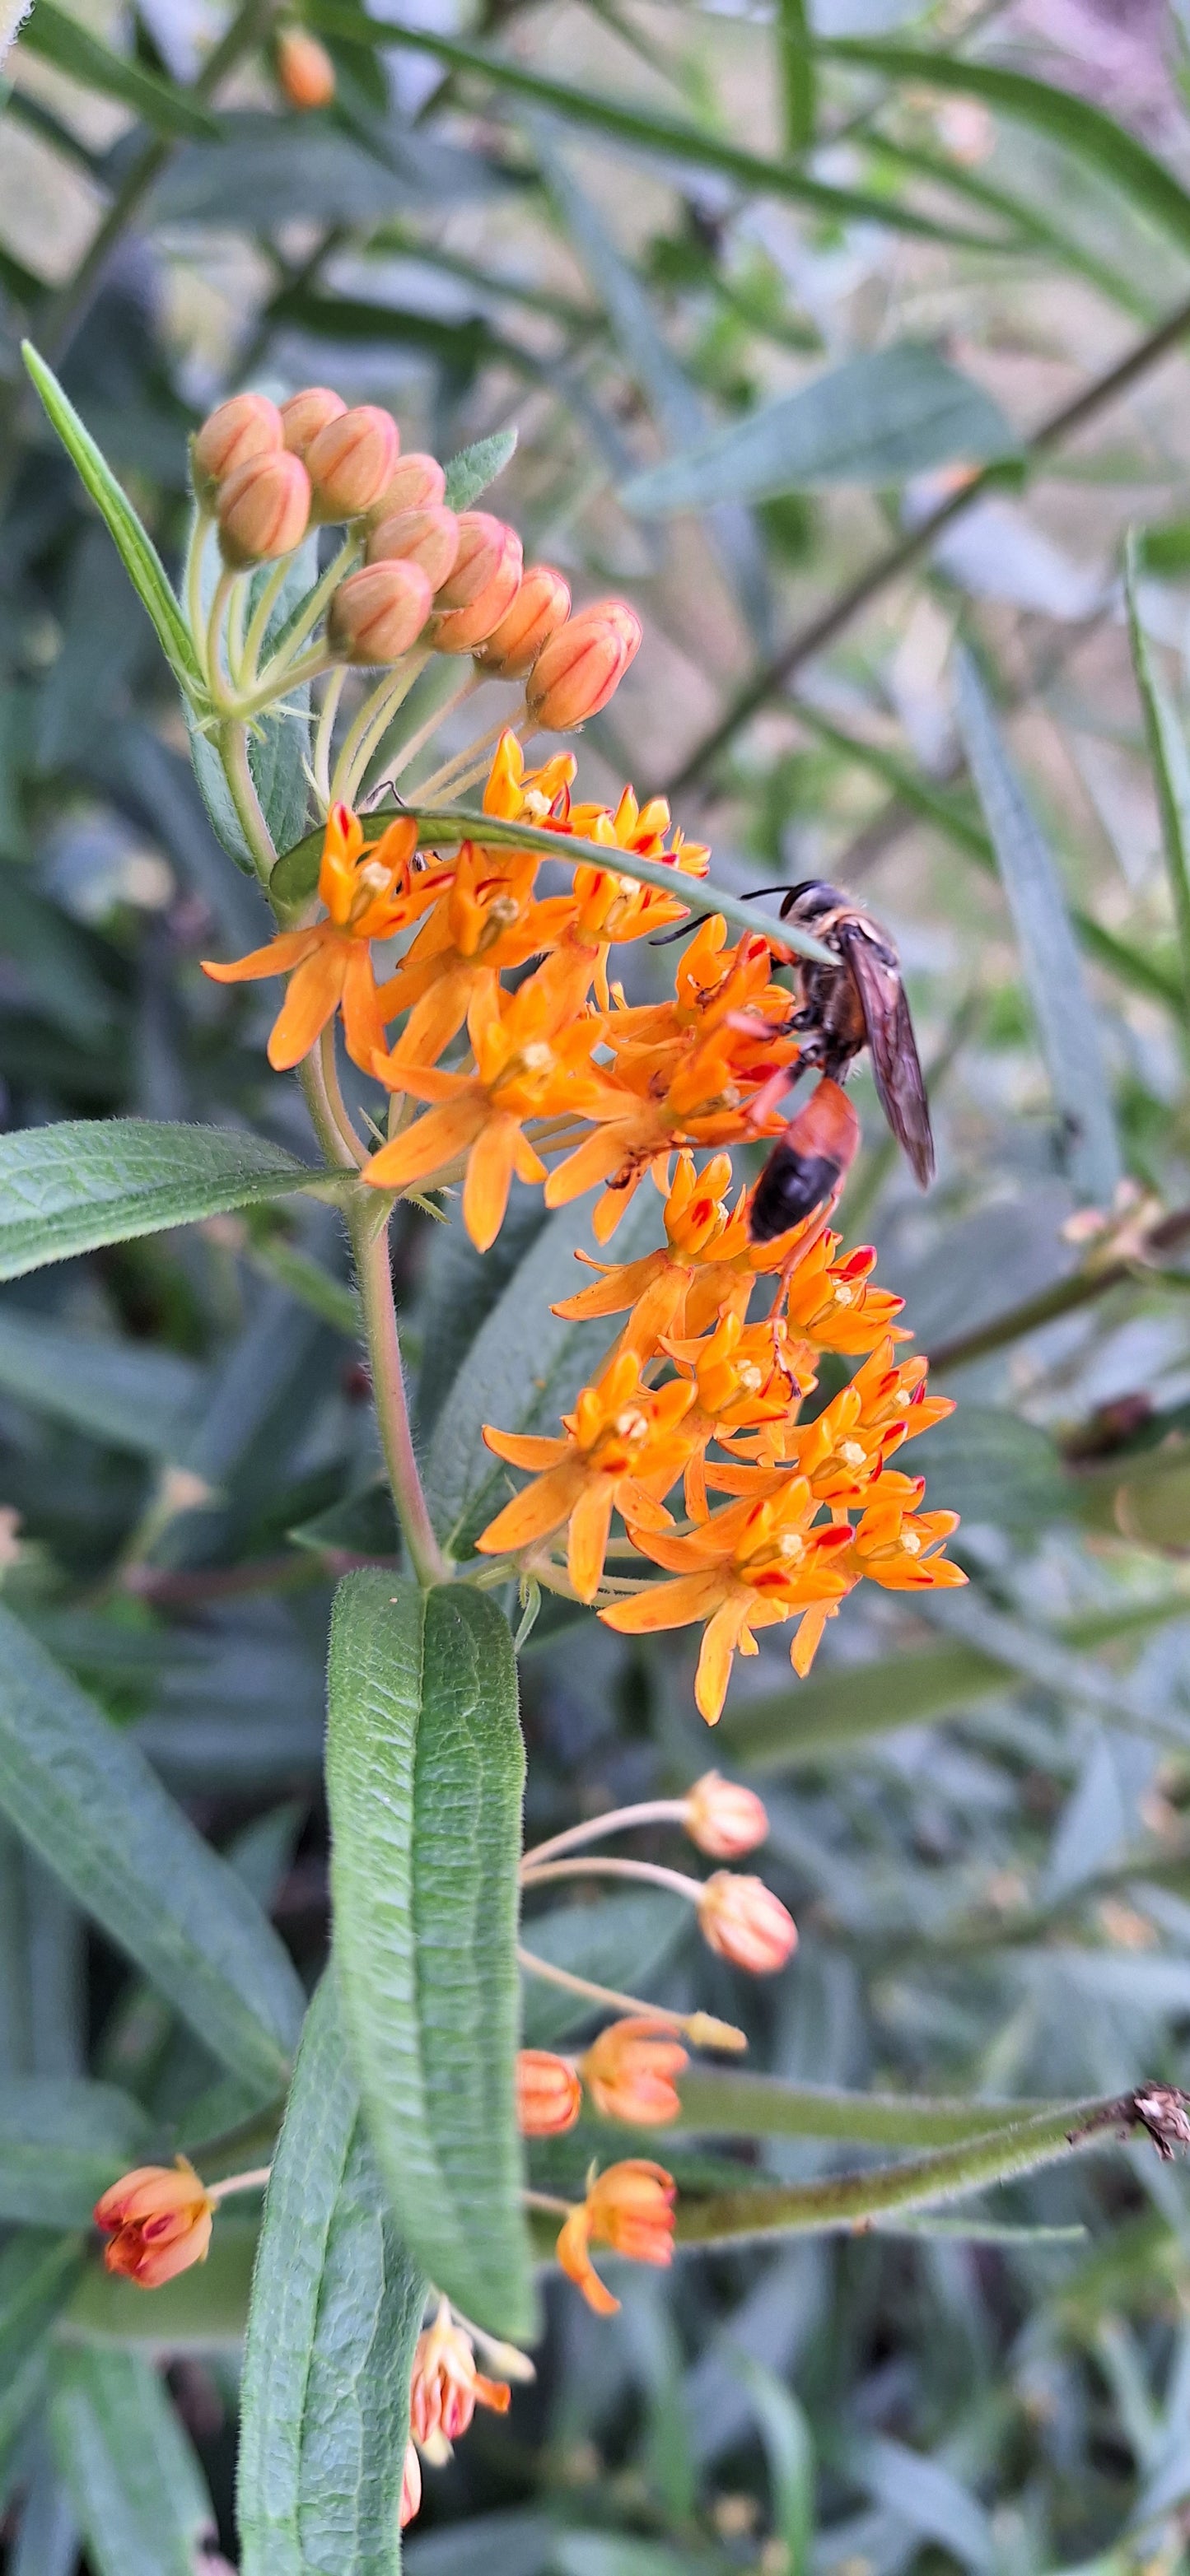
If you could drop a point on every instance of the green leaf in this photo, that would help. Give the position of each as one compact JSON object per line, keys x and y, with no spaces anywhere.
{"x":609,"y":2553}
{"x":125,"y":1393}
{"x":38,"y":2268}
{"x":71,"y":47}
{"x":336,"y":2307}
{"x":523,"y":1370}
{"x":470,"y":472}
{"x":992,"y":1466}
{"x":789,"y":2446}
{"x":424,"y":1779}
{"x":133,"y":2477}
{"x":1166,"y":739}
{"x":62,"y":2141}
{"x":84,"y":1796}
{"x":69,"y":1188}
{"x":204,"y":2311}
{"x":725,"y":2101}
{"x":877,"y":419}
{"x":1050,"y":960}
{"x":623,"y":1942}
{"x":139,"y":555}
{"x":795,"y":68}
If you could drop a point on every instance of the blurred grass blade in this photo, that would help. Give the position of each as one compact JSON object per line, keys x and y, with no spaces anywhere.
{"x":139,"y":555}
{"x":424,"y":1777}
{"x":62,"y":40}
{"x":61,"y":2143}
{"x":121,"y":1392}
{"x":795,"y":64}
{"x":1166,"y":739}
{"x":1049,"y":956}
{"x":724,"y":2102}
{"x":929,"y":2497}
{"x":336,"y":2308}
{"x":85,"y":1798}
{"x":475,"y":467}
{"x":877,"y":419}
{"x":133,"y":2477}
{"x":789,"y":2448}
{"x":85,"y":1182}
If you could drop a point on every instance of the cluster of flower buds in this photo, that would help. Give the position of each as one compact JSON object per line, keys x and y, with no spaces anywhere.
{"x":445,"y":581}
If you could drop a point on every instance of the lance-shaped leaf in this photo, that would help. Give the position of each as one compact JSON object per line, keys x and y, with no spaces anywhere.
{"x":62,"y":40}
{"x":1050,"y":960}
{"x":69,"y":1188}
{"x":336,"y":2307}
{"x":120,"y":1392}
{"x":470,"y":472}
{"x":1166,"y":736}
{"x":133,"y":2477}
{"x":724,"y":2102}
{"x":85,"y":1798}
{"x":424,"y":1776}
{"x":62,"y":2141}
{"x":139,"y":555}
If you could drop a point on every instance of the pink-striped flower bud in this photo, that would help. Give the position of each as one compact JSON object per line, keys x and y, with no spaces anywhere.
{"x":743,"y":1921}
{"x":305,"y":414}
{"x":723,"y":1818}
{"x":482,"y":586}
{"x":427,"y":537}
{"x":549,"y":2095}
{"x":582,"y":665}
{"x":410,"y":2485}
{"x":264,"y":509}
{"x":304,"y":69}
{"x":418,"y":483}
{"x":542,"y":604}
{"x":247,"y":426}
{"x":378,"y":612}
{"x":351,"y":461}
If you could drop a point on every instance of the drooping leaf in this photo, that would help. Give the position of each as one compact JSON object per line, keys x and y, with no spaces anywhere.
{"x":1166,"y":737}
{"x":64,"y":41}
{"x":139,"y":555}
{"x":876,"y":419}
{"x":424,"y":1778}
{"x":336,"y":2307}
{"x":133,"y":2476}
{"x":470,"y":472}
{"x":1049,"y":954}
{"x":134,"y":1397}
{"x":61,"y":2143}
{"x":84,"y":1796}
{"x":69,"y":1188}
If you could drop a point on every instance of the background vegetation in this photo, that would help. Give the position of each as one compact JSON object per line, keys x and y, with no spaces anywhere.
{"x":758,"y":308}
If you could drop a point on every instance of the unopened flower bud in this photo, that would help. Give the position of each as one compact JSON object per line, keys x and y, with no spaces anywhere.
{"x":723,"y":1818}
{"x":482,"y":586}
{"x":743,"y":1921}
{"x":445,"y":2387}
{"x":304,"y":69}
{"x":264,"y":509}
{"x":629,"y":2071}
{"x":159,"y":2221}
{"x":378,"y":612}
{"x":542,"y":604}
{"x":410,"y":2485}
{"x":418,"y":483}
{"x":351,"y":461}
{"x":247,"y":426}
{"x":306,"y":413}
{"x":549,"y":2095}
{"x":582,"y":665}
{"x":428,"y":537}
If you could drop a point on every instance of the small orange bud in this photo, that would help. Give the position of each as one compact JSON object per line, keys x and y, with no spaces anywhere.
{"x":304,"y":69}
{"x":428,"y":537}
{"x":446,"y":2387}
{"x":542,"y":604}
{"x":378,"y":612}
{"x":159,"y":2221}
{"x":723,"y":1818}
{"x":247,"y":426}
{"x":418,"y":483}
{"x":582,"y":665}
{"x":629,"y":2071}
{"x":743,"y":1921}
{"x":549,"y":2095}
{"x":482,"y":586}
{"x":351,"y":461}
{"x":410,"y":2485}
{"x":264,"y":509}
{"x":630,"y":2208}
{"x":306,"y":413}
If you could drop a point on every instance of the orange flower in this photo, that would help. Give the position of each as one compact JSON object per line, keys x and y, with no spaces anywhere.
{"x":624,"y":1447}
{"x":159,"y":2221}
{"x":549,"y":2095}
{"x":724,"y":1818}
{"x":897,"y":1547}
{"x":410,"y":2486}
{"x":747,"y":1567}
{"x":519,"y":795}
{"x":532,"y":1060}
{"x":446,"y":2387}
{"x":487,"y":921}
{"x":658,"y":1100}
{"x":630,"y":2208}
{"x":629,"y":2071}
{"x":832,"y":1305}
{"x":742,"y":1920}
{"x":707,"y":1256}
{"x":370,"y":889}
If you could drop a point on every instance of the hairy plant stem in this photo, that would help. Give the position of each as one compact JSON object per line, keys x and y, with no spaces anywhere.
{"x":369,"y":723}
{"x":702,"y":2029}
{"x":650,"y":1871}
{"x":276,"y":667}
{"x":651,"y":1811}
{"x":367,"y":1222}
{"x":233,"y":752}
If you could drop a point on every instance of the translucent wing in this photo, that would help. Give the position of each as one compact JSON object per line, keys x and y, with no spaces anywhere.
{"x":896,"y":1069}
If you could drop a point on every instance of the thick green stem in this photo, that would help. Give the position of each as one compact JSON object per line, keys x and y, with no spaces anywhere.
{"x":368,"y":1227}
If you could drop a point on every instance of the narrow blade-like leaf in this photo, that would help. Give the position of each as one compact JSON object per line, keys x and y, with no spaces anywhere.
{"x":1171,"y":769}
{"x":470,"y":472}
{"x":69,"y":1188}
{"x":62,"y":40}
{"x":133,"y":2477}
{"x":62,"y":2141}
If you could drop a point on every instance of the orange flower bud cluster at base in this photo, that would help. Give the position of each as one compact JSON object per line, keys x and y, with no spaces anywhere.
{"x":378,"y":612}
{"x":158,"y":2220}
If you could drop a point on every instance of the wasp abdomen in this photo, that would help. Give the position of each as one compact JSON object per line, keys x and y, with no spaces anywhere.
{"x":790,"y":1187}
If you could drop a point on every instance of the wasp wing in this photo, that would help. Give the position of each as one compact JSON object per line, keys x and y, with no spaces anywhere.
{"x":896,"y":1068}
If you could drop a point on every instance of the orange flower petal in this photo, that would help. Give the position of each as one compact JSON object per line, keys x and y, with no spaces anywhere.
{"x":489,"y":1180}
{"x":541,"y":1509}
{"x":720,"y":1639}
{"x":428,"y":1146}
{"x":576,"y":2262}
{"x":665,"y":1605}
{"x":282,"y":953}
{"x":586,"y":1548}
{"x":525,"y":1449}
{"x":315,"y":990}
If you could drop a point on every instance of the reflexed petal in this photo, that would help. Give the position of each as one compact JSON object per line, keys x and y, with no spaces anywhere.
{"x":525,"y":1448}
{"x":666,"y":1605}
{"x":281,"y":954}
{"x":715,"y":1658}
{"x":594,"y":1160}
{"x":315,"y":990}
{"x":428,"y":1146}
{"x":586,"y":1548}
{"x":576,"y":2263}
{"x":542,"y":1508}
{"x":363,"y":1028}
{"x":489,"y":1180}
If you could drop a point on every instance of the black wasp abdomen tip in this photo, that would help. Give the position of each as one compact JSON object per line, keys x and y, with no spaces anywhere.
{"x":790,"y":1187}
